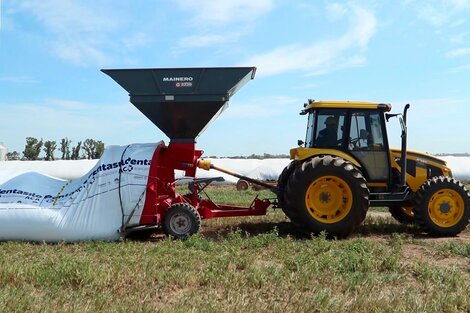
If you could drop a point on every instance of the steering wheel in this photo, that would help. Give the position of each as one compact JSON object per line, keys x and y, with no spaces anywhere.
{"x":354,"y":143}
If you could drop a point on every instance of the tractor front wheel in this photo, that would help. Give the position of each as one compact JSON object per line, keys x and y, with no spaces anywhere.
{"x":442,"y":206}
{"x":328,"y":194}
{"x":181,"y":221}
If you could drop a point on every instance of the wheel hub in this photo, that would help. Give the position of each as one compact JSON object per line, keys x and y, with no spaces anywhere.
{"x":328,"y":199}
{"x":325,"y":197}
{"x":446,"y":207}
{"x":180,"y":224}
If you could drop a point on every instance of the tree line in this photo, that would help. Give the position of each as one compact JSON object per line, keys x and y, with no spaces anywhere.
{"x":88,"y":149}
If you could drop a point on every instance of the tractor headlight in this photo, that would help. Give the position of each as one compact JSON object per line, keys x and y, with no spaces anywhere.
{"x":447,"y":171}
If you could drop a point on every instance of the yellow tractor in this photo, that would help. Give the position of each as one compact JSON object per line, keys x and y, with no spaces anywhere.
{"x":345,"y":166}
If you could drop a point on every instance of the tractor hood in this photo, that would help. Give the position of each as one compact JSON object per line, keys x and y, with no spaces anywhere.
{"x":423,"y":157}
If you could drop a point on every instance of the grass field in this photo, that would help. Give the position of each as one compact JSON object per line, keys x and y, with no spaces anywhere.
{"x":253,"y":264}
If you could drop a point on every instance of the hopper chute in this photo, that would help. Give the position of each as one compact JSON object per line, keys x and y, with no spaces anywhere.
{"x":181,"y":102}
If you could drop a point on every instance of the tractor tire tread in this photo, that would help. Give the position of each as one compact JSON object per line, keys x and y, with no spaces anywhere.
{"x":281,"y":184}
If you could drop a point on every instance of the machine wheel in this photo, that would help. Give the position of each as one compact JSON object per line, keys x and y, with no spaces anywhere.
{"x":442,"y":206}
{"x":328,"y":194}
{"x":242,"y":185}
{"x":181,"y":221}
{"x":403,"y":214}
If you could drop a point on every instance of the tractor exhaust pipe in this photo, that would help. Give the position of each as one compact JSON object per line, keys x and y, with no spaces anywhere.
{"x":207,"y":165}
{"x":403,"y":146}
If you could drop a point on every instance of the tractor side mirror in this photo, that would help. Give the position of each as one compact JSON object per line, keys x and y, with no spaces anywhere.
{"x":389,"y":116}
{"x":300,"y":142}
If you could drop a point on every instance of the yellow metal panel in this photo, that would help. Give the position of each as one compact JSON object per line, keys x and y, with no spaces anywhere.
{"x":329,"y":104}
{"x":421,"y":172}
{"x":421,"y":157}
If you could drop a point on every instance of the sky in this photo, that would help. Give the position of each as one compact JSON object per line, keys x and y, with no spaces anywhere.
{"x":398,"y":52}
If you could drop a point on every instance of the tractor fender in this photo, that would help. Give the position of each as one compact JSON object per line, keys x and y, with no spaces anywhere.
{"x":302,"y":154}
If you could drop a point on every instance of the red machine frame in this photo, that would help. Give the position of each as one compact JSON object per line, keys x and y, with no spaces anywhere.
{"x":161,"y":187}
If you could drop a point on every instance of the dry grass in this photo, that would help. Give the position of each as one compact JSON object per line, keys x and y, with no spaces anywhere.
{"x":252,"y":264}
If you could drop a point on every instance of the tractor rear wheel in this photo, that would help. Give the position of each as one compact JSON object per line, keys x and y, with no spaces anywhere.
{"x":442,"y":206}
{"x":327,"y":194}
{"x":181,"y":221}
{"x":402,"y":214}
{"x":281,"y":185}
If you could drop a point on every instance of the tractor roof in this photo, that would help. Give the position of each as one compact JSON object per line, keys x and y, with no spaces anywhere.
{"x":331,"y":104}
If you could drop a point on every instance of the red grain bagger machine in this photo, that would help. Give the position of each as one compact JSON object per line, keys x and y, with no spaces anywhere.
{"x":182,"y":102}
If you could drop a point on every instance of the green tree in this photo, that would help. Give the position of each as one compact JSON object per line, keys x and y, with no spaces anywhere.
{"x":89,"y":146}
{"x":32,"y":148}
{"x":13,"y":156}
{"x":99,"y":149}
{"x":93,"y":149}
{"x":76,"y":151}
{"x":49,"y":148}
{"x":65,"y":148}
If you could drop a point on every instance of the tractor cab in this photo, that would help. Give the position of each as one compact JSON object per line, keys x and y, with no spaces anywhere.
{"x":353,"y":130}
{"x":356,"y":132}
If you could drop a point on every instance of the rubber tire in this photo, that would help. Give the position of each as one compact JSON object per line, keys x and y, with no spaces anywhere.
{"x":317,"y":167}
{"x":242,"y":185}
{"x":423,"y":196}
{"x":281,"y":185}
{"x":400,"y":216}
{"x":189,"y":212}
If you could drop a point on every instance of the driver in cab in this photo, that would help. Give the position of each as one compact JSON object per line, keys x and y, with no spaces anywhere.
{"x":329,"y":135}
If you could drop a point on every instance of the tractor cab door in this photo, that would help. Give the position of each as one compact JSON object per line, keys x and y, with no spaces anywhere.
{"x":368,"y":144}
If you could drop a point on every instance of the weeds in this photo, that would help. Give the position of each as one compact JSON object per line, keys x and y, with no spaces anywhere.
{"x":252,"y":264}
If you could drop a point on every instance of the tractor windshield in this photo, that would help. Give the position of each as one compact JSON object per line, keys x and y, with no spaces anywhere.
{"x":325,"y":128}
{"x":329,"y":128}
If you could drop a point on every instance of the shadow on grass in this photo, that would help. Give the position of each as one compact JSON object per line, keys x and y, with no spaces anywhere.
{"x":252,"y":229}
{"x":222,"y":232}
{"x":385,"y":227}
{"x":371,"y":227}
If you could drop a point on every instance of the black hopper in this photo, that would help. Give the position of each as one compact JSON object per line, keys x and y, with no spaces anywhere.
{"x":182,"y":102}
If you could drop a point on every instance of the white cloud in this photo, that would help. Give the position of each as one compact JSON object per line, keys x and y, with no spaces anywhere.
{"x":432,"y":124}
{"x":324,"y":56}
{"x":336,"y":11}
{"x":459,"y":69}
{"x":81,"y":32}
{"x":459,"y":38}
{"x":19,"y":79}
{"x":440,"y":13}
{"x":139,"y":39}
{"x":69,"y":105}
{"x":81,"y":53}
{"x":460,"y":4}
{"x":265,"y":107}
{"x":212,"y":22}
{"x":458,"y":52}
{"x":225,"y":12}
{"x":202,"y":41}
